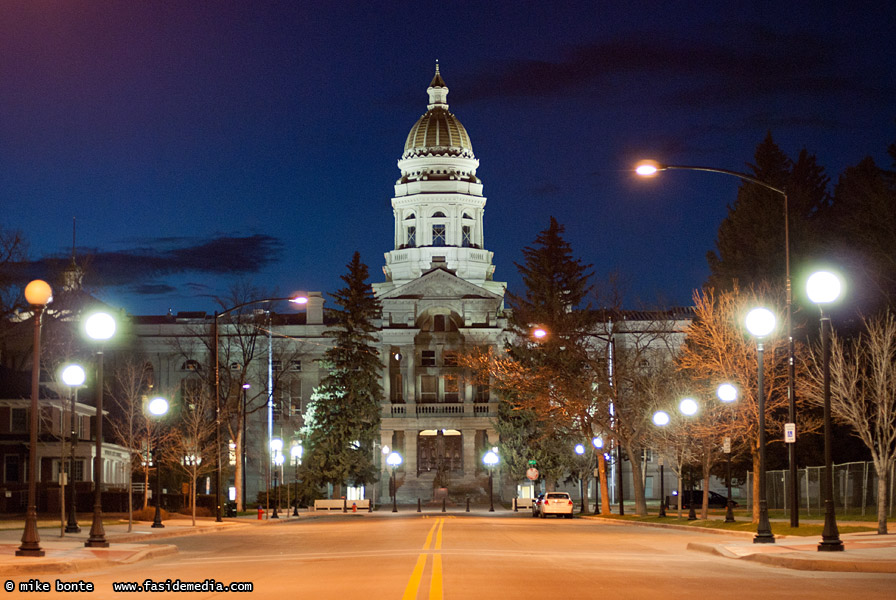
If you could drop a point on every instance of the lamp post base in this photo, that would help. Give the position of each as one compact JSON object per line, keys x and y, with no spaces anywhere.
{"x":764,"y":533}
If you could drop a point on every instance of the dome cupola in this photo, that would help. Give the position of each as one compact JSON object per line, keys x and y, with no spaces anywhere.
{"x":438,"y":132}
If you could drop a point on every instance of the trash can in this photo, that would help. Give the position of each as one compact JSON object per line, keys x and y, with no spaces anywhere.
{"x":230,"y":509}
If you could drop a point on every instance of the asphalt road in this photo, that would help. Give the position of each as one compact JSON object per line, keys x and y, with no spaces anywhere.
{"x":408,"y":555}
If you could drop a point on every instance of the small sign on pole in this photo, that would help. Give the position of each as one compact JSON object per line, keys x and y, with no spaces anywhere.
{"x":726,"y":445}
{"x":790,"y":432}
{"x":532,"y":473}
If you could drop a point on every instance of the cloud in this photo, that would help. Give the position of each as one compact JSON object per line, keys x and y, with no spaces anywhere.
{"x":747,"y":62}
{"x":141,"y":266}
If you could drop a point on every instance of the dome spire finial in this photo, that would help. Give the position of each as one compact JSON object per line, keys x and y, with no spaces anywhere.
{"x":437,"y":90}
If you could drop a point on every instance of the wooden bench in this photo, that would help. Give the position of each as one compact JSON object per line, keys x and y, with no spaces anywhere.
{"x":523,"y":502}
{"x":339,"y":503}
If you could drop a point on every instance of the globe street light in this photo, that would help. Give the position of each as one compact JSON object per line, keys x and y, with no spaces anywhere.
{"x":824,"y":287}
{"x":393,"y":460}
{"x":296,"y":453}
{"x":73,"y":376}
{"x":490,"y":459}
{"x":650,"y":168}
{"x":158,"y":408}
{"x":761,"y":322}
{"x":728,"y":393}
{"x":598,"y":444}
{"x":99,"y":327}
{"x":38,"y":294}
{"x":277,"y":459}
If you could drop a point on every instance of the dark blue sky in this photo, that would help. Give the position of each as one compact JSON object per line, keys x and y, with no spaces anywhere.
{"x":203,"y":143}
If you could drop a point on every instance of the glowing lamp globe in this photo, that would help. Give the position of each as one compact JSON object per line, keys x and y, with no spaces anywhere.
{"x":73,"y":375}
{"x":38,"y":293}
{"x":823,"y":287}
{"x":760,"y":322}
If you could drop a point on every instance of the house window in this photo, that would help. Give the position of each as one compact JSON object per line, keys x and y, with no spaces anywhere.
{"x":411,"y":237}
{"x":277,"y":365}
{"x":439,"y":214}
{"x":12,"y":471}
{"x":191,"y":390}
{"x":481,"y":393}
{"x":438,"y":323}
{"x":428,"y":358}
{"x":288,"y":397}
{"x":449,"y":359}
{"x":19,"y":420}
{"x":438,"y":235}
{"x":395,"y":389}
{"x":468,"y":236}
{"x":295,"y":365}
{"x":190,"y":365}
{"x":65,"y":467}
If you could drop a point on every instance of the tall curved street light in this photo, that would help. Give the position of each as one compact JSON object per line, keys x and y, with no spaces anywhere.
{"x":99,"y":327}
{"x":823,"y":288}
{"x":38,"y":294}
{"x":158,"y":408}
{"x":73,"y":376}
{"x":215,"y":342}
{"x":650,"y":168}
{"x":760,"y":323}
{"x":490,"y":459}
{"x":393,"y":460}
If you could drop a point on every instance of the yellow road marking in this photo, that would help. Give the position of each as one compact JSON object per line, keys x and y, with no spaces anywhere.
{"x":435,"y":583}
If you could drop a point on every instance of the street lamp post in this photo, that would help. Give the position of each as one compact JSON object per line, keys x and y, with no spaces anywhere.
{"x":393,"y":460}
{"x":490,"y":459}
{"x":761,"y":322}
{"x":823,"y":288}
{"x":277,"y":459}
{"x":728,"y":393}
{"x":598,"y":444}
{"x":218,"y":460}
{"x":38,"y":294}
{"x":296,"y":453}
{"x":580,"y":451}
{"x":649,"y":168}
{"x":99,"y":327}
{"x":74,"y":377}
{"x":158,"y":407}
{"x":246,"y":387}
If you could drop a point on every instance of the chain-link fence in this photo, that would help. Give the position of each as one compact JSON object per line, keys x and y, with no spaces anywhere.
{"x":855,"y":489}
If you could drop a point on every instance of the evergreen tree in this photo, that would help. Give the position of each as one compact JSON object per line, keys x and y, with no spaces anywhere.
{"x":344,"y":413}
{"x":750,"y":248}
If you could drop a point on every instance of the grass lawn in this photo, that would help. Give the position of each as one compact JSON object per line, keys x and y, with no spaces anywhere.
{"x":744,"y":524}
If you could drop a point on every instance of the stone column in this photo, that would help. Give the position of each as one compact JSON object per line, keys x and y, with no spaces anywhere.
{"x":410,"y":450}
{"x":470,"y":458}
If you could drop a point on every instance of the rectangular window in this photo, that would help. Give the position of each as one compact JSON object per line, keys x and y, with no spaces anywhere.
{"x":451,"y":387}
{"x":428,"y":358}
{"x":396,"y":394}
{"x":277,"y":365}
{"x":428,"y":388}
{"x":449,"y":358}
{"x":19,"y":421}
{"x":411,"y":237}
{"x":295,"y":365}
{"x":438,"y":235}
{"x":468,"y":236}
{"x":12,"y":469}
{"x":481,"y":393}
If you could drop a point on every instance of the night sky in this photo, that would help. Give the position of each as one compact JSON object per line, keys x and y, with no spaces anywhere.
{"x":201,"y":144}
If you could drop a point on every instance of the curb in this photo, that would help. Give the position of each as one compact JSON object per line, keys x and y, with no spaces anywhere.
{"x":76,"y":565}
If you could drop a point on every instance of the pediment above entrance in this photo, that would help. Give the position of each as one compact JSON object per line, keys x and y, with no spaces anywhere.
{"x":439,"y":283}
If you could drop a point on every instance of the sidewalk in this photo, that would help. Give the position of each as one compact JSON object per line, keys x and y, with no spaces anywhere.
{"x":865,"y":552}
{"x":69,"y":555}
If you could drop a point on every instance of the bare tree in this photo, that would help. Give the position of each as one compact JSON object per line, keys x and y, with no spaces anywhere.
{"x":191,"y":448}
{"x":131,"y":382}
{"x":717,"y":349}
{"x":863,"y":394}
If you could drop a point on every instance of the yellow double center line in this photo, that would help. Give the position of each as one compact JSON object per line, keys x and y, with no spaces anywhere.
{"x":435,"y":582}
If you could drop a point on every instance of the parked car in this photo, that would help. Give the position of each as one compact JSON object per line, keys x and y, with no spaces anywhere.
{"x":536,"y":504}
{"x":556,"y":503}
{"x":696,"y":496}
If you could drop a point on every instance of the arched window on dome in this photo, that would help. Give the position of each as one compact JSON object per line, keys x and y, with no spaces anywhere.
{"x":410,"y":216}
{"x":438,"y":214}
{"x":467,"y":216}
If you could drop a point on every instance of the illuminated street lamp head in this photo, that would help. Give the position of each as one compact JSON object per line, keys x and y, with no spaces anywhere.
{"x":580,"y":449}
{"x":727,"y":392}
{"x":296,"y":452}
{"x":539,"y":333}
{"x":823,"y":287}
{"x":760,"y":322}
{"x":661,"y":418}
{"x":648,"y":168}
{"x":490,"y":458}
{"x":158,"y":406}
{"x":38,"y":293}
{"x":276,"y":445}
{"x":100,"y":326}
{"x":598,"y":442}
{"x":394,"y":459}
{"x":299,"y":299}
{"x":278,"y":459}
{"x":73,"y":375}
{"x":386,"y":450}
{"x":688,"y":407}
